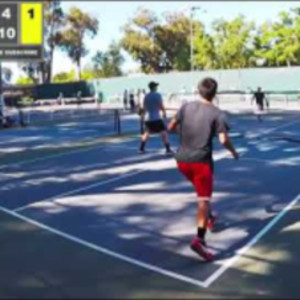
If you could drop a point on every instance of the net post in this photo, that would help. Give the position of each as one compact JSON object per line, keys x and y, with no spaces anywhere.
{"x":117,"y":121}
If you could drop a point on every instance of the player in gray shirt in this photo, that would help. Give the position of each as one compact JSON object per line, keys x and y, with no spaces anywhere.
{"x":199,"y":122}
{"x":151,"y":111}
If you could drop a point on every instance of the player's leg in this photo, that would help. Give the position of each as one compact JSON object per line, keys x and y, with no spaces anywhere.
{"x":260,"y":112}
{"x":201,"y":177}
{"x":203,"y":182}
{"x":144,"y":138}
{"x":165,"y":140}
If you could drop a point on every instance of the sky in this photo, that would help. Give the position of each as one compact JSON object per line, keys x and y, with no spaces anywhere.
{"x":112,"y":15}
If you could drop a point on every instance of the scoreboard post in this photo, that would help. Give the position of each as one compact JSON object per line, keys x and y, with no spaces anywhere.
{"x":21,"y":31}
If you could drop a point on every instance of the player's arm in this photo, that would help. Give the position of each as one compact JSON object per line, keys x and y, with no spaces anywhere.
{"x":266,"y":100}
{"x":226,"y":142}
{"x":172,"y":126}
{"x":176,"y":120}
{"x":222,"y":128}
{"x":163,"y":109}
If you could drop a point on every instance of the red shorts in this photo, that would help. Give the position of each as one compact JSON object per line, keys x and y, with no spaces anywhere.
{"x":200,"y":175}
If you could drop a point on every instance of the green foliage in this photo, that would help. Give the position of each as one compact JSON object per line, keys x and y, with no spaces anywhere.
{"x":232,"y":42}
{"x":25,"y":81}
{"x":278,"y":43}
{"x":159,"y":46}
{"x":205,"y":57}
{"x":65,"y":77}
{"x":89,"y":74}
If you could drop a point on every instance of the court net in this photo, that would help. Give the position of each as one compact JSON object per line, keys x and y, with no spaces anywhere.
{"x":85,"y":116}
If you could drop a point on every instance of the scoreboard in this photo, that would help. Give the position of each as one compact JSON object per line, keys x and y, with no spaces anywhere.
{"x":21,"y":30}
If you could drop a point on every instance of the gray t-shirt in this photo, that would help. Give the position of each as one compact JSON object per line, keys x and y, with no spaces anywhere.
{"x":152,"y":106}
{"x":199,"y":123}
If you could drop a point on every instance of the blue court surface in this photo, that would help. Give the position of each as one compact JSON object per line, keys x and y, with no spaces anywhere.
{"x":139,"y":209}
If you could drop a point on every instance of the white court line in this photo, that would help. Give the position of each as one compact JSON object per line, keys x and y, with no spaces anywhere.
{"x":106,"y":251}
{"x":44,"y":158}
{"x":252,"y":242}
{"x":220,"y":155}
{"x":48,"y":157}
{"x":203,"y":284}
{"x":88,"y":187}
{"x":274,"y":129}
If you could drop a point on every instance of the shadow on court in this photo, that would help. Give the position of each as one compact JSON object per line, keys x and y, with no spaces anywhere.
{"x":149,"y":216}
{"x":37,"y":264}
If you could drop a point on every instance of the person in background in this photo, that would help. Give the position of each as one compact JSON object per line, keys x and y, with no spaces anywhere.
{"x":199,"y":122}
{"x":125,"y":99}
{"x":132,"y":101}
{"x":152,"y":107}
{"x":261,"y":100}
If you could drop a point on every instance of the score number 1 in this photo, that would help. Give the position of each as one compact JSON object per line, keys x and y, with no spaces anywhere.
{"x":31,"y":23}
{"x":31,"y":13}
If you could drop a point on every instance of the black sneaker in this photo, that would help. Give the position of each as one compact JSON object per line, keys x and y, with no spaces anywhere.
{"x":169,"y":152}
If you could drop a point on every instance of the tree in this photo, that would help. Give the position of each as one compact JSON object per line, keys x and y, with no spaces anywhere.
{"x":54,"y":22}
{"x":108,"y":64}
{"x":278,"y":43}
{"x":159,"y":45}
{"x":233,"y":42}
{"x":139,"y":40}
{"x":205,"y":57}
{"x":173,"y":37}
{"x":79,"y":24}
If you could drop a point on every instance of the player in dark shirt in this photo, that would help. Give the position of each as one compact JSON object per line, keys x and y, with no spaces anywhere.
{"x":199,"y":122}
{"x":260,"y":99}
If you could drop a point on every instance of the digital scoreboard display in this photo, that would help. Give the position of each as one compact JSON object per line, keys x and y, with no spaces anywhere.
{"x":21,"y":31}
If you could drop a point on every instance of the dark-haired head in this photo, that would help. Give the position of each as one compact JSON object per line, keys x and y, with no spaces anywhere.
{"x":208,"y":88}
